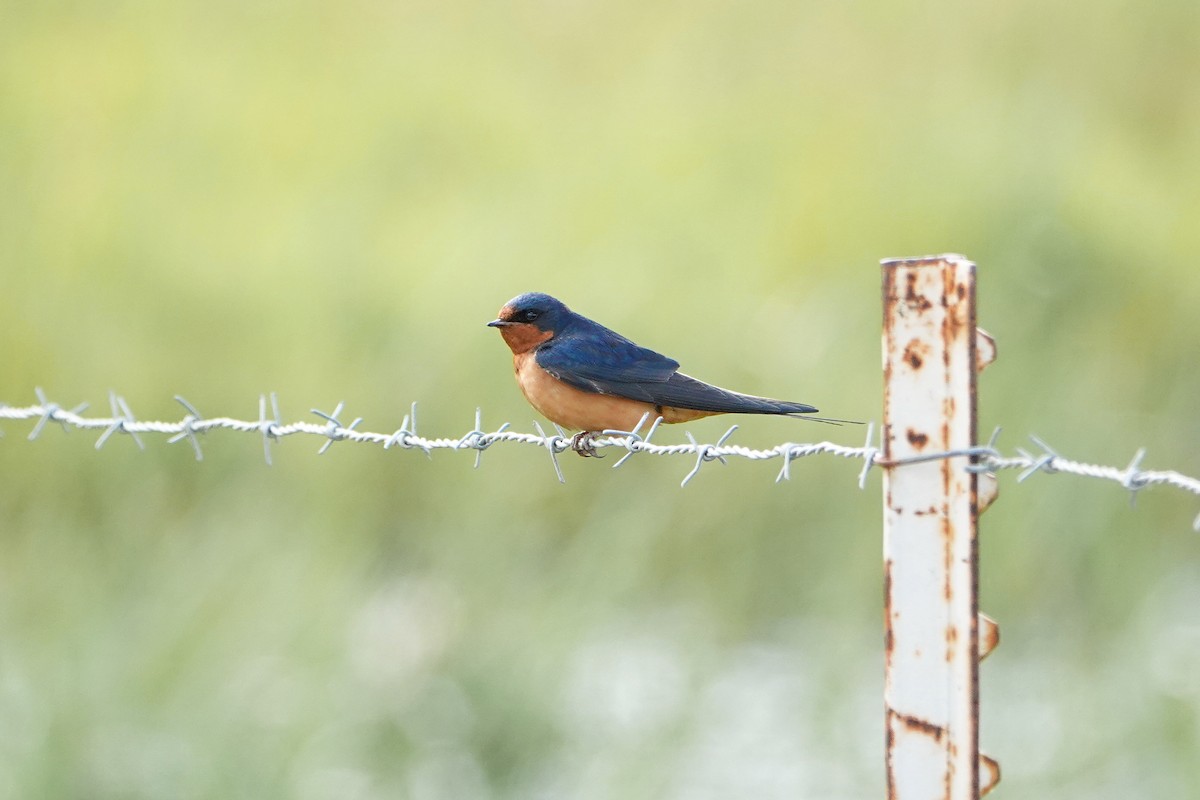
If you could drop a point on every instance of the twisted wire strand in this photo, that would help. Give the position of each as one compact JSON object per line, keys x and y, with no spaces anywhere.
{"x":270,"y":427}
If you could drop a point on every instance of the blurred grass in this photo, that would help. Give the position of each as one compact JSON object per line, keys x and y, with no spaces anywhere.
{"x":328,"y":201}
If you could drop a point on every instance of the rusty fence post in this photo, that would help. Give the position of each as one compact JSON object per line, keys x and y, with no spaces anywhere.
{"x":935,"y":636}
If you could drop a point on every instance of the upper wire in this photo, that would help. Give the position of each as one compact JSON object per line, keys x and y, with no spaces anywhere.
{"x":981,"y":458}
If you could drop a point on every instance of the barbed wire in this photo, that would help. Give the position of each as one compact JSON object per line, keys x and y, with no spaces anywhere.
{"x":984,"y":458}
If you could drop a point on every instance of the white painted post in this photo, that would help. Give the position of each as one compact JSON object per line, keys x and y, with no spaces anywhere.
{"x":931,"y":688}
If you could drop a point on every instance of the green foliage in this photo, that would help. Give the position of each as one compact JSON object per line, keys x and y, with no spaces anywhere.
{"x":329,"y":200}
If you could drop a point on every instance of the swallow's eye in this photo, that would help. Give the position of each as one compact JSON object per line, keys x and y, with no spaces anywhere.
{"x":530,"y":315}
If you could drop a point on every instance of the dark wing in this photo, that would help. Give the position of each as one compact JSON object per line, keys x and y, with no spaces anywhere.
{"x":601,"y":361}
{"x":684,"y":391}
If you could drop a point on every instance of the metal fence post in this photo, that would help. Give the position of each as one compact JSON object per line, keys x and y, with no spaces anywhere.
{"x":931,"y":575}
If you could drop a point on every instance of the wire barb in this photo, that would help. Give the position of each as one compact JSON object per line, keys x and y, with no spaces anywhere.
{"x":477,"y":440}
{"x":189,"y":427}
{"x":122,"y":417}
{"x":1042,"y":463}
{"x":49,"y":413}
{"x":269,"y":427}
{"x":869,"y":456}
{"x":706,"y":453}
{"x":554,"y":444}
{"x":334,"y":429}
{"x":633,"y":440}
{"x":406,"y":435}
{"x":1133,"y":479}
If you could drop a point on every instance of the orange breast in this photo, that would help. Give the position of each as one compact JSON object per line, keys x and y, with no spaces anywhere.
{"x":572,"y":408}
{"x":587,"y":411}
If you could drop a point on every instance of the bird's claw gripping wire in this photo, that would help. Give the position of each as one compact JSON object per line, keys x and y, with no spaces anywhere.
{"x":584,"y":443}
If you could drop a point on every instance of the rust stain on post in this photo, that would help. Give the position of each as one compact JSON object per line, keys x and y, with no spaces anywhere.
{"x":917,"y":439}
{"x":932,"y":354}
{"x":921,"y":727}
{"x":915,"y":353}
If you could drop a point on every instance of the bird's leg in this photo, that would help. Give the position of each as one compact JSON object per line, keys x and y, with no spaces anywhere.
{"x":584,"y":444}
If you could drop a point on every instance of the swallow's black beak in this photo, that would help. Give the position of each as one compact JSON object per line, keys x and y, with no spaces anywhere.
{"x":500,"y":323}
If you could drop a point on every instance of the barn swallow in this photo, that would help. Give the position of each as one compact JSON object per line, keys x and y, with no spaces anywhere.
{"x":583,"y":376}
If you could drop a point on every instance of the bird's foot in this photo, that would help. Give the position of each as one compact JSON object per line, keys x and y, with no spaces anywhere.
{"x":584,"y":443}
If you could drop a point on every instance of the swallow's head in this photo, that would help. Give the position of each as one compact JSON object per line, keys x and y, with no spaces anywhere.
{"x":530,"y":319}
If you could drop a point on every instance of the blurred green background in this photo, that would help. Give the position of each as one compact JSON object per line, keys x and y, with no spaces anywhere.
{"x":329,"y":200}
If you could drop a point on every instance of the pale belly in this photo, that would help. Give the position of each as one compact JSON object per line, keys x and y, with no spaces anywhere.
{"x":585,"y":411}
